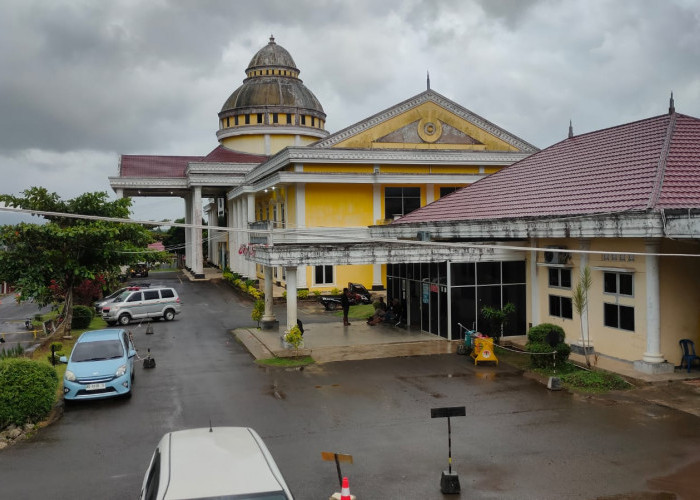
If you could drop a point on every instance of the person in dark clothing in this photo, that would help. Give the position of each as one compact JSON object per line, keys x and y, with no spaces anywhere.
{"x":345,"y":302}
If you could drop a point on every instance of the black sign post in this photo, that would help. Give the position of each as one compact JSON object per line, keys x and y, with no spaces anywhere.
{"x":449,"y":481}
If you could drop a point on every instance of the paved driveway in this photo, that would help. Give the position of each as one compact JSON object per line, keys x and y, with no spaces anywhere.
{"x":518,"y":440}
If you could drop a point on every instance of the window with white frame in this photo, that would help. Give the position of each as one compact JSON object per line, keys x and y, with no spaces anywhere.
{"x":323,"y":275}
{"x":616,"y":286}
{"x":560,"y":307}
{"x":559,"y":277}
{"x":400,"y":201}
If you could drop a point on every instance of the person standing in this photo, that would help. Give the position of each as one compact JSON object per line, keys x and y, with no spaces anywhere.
{"x":345,"y":303}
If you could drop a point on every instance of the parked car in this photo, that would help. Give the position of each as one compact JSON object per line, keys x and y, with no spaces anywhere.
{"x":358,"y":295}
{"x":140,"y":304}
{"x":99,"y":304}
{"x":139,"y":270}
{"x":218,"y":462}
{"x":101,"y":365}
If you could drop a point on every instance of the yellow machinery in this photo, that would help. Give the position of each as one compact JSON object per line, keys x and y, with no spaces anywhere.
{"x":483,"y":350}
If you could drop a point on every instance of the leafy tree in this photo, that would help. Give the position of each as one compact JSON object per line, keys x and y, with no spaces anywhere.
{"x":46,"y":262}
{"x":579,"y":297}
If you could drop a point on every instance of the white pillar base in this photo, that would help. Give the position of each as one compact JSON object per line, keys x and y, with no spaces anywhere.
{"x":653,"y":368}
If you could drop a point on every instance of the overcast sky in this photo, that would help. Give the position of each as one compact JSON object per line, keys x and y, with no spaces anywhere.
{"x":82,"y":82}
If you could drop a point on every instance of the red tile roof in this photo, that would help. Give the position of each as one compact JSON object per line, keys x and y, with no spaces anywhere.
{"x":222,"y":155}
{"x":149,"y":166}
{"x":649,"y":164}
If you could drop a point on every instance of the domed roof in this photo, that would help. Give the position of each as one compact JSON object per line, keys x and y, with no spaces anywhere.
{"x":272,"y":82}
{"x":272,"y":55}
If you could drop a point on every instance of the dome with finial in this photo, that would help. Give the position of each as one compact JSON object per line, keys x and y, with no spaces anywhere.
{"x":272,"y":100}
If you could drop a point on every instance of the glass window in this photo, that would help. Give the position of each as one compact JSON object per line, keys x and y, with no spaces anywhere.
{"x":400,"y":201}
{"x":560,"y":307}
{"x":260,"y":118}
{"x":151,"y":295}
{"x":167,"y":293}
{"x":323,"y":275}
{"x":560,"y":278}
{"x":444,"y":191}
{"x":513,"y":272}
{"x":134,"y":297}
{"x":488,"y":273}
{"x":617,"y":316}
{"x":463,"y":273}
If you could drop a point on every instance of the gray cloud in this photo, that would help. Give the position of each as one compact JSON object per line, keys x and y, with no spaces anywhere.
{"x":84,"y":81}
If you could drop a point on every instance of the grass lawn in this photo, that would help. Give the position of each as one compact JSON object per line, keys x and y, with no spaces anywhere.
{"x":360,"y":311}
{"x":286,"y":362}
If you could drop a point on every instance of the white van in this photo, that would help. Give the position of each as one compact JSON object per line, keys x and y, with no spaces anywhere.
{"x":218,"y":462}
{"x":139,"y":304}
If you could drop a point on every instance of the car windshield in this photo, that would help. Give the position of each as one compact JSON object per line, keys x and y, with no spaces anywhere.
{"x":122,"y":296}
{"x":97,"y":351}
{"x":115,"y":294}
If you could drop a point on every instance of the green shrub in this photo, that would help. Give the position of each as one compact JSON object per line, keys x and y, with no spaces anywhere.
{"x":538,"y":342}
{"x":317,"y":293}
{"x":335,"y":291}
{"x":27,"y":391}
{"x":594,"y":381}
{"x":82,"y":316}
{"x":258,"y":310}
{"x":249,"y":283}
{"x":303,"y":294}
{"x":294,"y":337}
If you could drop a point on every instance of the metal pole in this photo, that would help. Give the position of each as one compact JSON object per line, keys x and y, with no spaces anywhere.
{"x":449,"y":444}
{"x":337,"y":466}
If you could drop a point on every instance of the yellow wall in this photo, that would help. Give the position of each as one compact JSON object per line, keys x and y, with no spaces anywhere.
{"x":680,"y":296}
{"x":343,"y":276}
{"x":679,"y":292}
{"x":338,"y":205}
{"x":255,"y":144}
{"x":428,"y":112}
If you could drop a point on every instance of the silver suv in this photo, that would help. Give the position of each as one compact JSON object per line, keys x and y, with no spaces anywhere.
{"x":138,"y":304}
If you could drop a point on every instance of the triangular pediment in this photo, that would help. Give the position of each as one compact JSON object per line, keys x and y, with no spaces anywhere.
{"x":428,"y":121}
{"x":435,"y":132}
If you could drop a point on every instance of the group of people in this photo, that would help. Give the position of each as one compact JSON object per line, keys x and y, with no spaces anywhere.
{"x":382,"y":312}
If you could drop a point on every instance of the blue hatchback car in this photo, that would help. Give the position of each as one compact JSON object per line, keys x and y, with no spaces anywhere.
{"x":100,"y":366}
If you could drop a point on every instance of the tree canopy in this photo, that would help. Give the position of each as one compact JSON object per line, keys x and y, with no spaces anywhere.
{"x":46,"y":261}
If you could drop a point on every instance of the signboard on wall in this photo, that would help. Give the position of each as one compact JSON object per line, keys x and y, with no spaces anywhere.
{"x":426,"y":293}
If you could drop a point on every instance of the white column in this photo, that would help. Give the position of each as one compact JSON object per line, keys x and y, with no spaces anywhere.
{"x":449,"y":300}
{"x":534,"y":286}
{"x":197,"y":264}
{"x":653,"y":352}
{"x":232,"y":238}
{"x":249,"y":218}
{"x":376,"y":216}
{"x":266,"y":142}
{"x":429,"y":193}
{"x":188,"y":231}
{"x":291,"y":297}
{"x":119,"y":192}
{"x":213,"y":235}
{"x":268,"y":316}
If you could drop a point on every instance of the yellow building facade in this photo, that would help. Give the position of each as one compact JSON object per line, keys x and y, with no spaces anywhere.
{"x":317,"y":187}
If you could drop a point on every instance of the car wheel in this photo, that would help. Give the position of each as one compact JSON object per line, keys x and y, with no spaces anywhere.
{"x":169,"y":315}
{"x":128,"y":395}
{"x":332,"y":306}
{"x":111,"y":323}
{"x":124,"y":319}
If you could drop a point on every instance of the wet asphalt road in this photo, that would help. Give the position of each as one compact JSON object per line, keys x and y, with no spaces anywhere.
{"x":518,"y":441}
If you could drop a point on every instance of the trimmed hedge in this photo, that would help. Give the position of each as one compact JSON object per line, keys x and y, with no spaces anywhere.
{"x":540,"y":339}
{"x":27,"y":391}
{"x":82,"y":316}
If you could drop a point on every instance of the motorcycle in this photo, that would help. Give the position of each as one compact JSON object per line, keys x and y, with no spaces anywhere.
{"x":28,"y":324}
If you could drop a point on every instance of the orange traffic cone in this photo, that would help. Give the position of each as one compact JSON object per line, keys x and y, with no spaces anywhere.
{"x":345,"y":491}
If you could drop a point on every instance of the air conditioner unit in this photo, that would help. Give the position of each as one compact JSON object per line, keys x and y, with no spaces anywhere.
{"x":556,"y":257}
